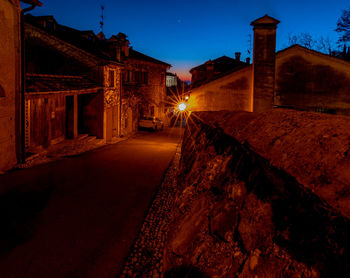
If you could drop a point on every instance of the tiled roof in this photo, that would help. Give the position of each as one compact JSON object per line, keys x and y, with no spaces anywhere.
{"x":140,"y":56}
{"x":32,"y":2}
{"x":85,"y":40}
{"x":38,"y":83}
{"x":265,"y":20}
{"x":312,"y":52}
{"x":222,"y":66}
{"x":217,"y":76}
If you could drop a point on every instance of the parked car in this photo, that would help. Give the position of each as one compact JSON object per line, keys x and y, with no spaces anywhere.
{"x":148,"y":122}
{"x":160,"y":124}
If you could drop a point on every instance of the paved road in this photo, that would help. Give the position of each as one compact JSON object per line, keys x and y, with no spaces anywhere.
{"x":78,"y":217}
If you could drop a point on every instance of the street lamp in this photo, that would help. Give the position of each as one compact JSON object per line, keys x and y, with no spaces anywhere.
{"x":182,"y":106}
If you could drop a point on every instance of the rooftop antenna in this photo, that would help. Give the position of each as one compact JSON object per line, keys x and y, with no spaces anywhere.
{"x":102,"y":18}
{"x":249,"y":50}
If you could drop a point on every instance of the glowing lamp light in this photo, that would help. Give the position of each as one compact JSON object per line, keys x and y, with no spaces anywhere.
{"x":186,"y":97}
{"x":182,"y":106}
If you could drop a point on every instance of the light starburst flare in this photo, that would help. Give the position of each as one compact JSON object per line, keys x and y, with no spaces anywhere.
{"x":182,"y":106}
{"x":178,"y":101}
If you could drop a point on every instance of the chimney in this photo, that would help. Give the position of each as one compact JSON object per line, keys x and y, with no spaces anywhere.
{"x":115,"y":47}
{"x":126,"y":48}
{"x":124,"y":44}
{"x":118,"y":53}
{"x":238,"y":56}
{"x":264,"y":54}
{"x":247,"y":60}
{"x":209,"y":67}
{"x":119,"y":46}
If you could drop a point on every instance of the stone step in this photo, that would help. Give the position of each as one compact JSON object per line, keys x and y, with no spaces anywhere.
{"x":82,"y":136}
{"x":91,"y":139}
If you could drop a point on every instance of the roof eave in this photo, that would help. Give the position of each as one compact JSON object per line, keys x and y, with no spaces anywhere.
{"x":33,"y":2}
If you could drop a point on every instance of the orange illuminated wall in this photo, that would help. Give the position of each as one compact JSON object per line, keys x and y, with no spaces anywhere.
{"x":231,"y":92}
{"x":9,"y":82}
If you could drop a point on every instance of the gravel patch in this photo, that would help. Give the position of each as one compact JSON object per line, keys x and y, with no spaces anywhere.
{"x":146,"y":256}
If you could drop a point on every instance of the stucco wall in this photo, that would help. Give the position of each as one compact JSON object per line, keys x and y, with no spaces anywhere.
{"x":9,"y":80}
{"x":231,"y":92}
{"x":311,"y":81}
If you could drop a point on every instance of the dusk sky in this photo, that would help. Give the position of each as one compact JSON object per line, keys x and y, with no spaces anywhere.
{"x":188,"y":33}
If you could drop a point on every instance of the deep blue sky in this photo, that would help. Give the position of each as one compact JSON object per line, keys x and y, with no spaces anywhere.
{"x":187,"y":33}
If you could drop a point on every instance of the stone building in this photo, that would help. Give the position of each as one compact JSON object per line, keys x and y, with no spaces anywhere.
{"x":295,"y":77}
{"x":72,"y":87}
{"x":312,"y":81}
{"x":144,"y":78}
{"x":172,"y":80}
{"x":9,"y":82}
{"x":143,"y":83}
{"x":242,"y":86}
{"x":213,"y":69}
{"x":82,"y":83}
{"x":75,"y":83}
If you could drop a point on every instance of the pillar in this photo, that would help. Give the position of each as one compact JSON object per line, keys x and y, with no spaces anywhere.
{"x":75,"y":117}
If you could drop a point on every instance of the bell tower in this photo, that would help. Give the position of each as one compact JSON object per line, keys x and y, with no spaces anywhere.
{"x":264,"y":53}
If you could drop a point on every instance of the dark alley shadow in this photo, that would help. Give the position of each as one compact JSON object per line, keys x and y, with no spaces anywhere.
{"x":185,"y":272}
{"x":19,"y":211}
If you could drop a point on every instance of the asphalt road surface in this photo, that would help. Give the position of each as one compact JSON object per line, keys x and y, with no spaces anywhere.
{"x":79,"y":216}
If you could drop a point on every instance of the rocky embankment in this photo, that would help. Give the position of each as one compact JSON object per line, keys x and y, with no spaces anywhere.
{"x":262,"y":195}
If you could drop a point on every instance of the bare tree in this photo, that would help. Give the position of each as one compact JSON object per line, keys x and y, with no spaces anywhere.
{"x":321,"y":44}
{"x":343,"y":27}
{"x":292,"y":39}
{"x":306,"y":40}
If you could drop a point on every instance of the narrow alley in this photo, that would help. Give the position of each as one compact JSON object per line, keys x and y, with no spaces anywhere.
{"x":79,"y":216}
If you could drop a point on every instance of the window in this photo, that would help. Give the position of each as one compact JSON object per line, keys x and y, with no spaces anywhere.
{"x":111,"y":78}
{"x":145,"y":77}
{"x":2,"y":91}
{"x":125,"y":76}
{"x":138,"y":76}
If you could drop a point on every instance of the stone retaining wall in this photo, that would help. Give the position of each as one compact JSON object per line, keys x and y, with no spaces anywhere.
{"x":262,"y":195}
